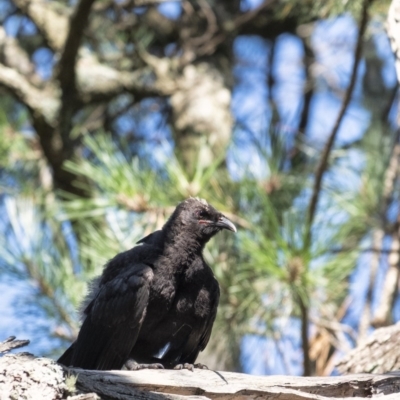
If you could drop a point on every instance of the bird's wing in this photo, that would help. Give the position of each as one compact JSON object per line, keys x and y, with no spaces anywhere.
{"x":197,"y":341}
{"x":210,"y":322}
{"x":113,"y":320}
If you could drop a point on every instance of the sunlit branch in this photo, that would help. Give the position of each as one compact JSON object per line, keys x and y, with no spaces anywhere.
{"x":14,"y":56}
{"x":33,"y":98}
{"x":53,"y":25}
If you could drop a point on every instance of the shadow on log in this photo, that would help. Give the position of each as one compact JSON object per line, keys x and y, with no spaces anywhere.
{"x":23,"y":376}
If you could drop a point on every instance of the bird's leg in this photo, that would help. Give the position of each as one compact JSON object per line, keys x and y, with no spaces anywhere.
{"x":190,"y":367}
{"x":132,"y":365}
{"x":200,"y":366}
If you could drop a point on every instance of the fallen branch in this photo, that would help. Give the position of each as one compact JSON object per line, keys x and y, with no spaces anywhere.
{"x":156,"y":384}
{"x":377,"y":354}
{"x":11,"y":344}
{"x":24,"y":376}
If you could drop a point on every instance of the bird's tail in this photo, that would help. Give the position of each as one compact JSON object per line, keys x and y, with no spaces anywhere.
{"x":66,"y":358}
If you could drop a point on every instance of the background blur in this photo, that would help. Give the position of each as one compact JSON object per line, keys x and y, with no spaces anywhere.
{"x":113,"y":111}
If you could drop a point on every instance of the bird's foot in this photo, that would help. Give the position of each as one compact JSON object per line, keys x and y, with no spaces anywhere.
{"x":190,"y":367}
{"x":134,"y":366}
{"x":200,"y":366}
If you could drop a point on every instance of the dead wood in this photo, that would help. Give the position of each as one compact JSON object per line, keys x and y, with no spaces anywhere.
{"x":10,"y":344}
{"x":23,"y":376}
{"x":378,"y":354}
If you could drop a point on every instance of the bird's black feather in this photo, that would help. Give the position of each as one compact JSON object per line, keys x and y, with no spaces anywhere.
{"x":156,"y":302}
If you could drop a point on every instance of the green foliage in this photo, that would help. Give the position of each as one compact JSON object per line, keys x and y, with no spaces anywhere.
{"x":113,"y":181}
{"x":262,"y":270}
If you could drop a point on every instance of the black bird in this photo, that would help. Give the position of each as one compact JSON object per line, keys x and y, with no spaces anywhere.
{"x":156,"y":303}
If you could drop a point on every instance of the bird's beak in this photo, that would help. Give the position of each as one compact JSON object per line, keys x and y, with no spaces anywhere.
{"x":224,"y":223}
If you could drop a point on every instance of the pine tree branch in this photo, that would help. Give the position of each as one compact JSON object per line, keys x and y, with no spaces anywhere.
{"x":40,"y":102}
{"x":48,"y":290}
{"x":77,"y":24}
{"x":323,"y":163}
{"x":305,"y":342}
{"x":53,"y":25}
{"x":297,"y":157}
{"x":10,"y":344}
{"x":15,"y":57}
{"x":308,"y":58}
{"x":181,"y":385}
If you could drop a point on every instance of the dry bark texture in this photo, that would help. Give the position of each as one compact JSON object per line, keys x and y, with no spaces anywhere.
{"x":11,"y":344}
{"x":23,"y":376}
{"x":152,"y":384}
{"x":378,"y":354}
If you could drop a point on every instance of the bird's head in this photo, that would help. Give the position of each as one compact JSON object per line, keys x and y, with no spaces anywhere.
{"x":198,"y":217}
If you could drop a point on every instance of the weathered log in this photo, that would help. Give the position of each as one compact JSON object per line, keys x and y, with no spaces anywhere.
{"x":376,"y":354}
{"x":156,"y":384}
{"x":23,"y":376}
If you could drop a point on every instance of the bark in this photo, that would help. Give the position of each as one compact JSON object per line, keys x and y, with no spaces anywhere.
{"x":11,"y":344}
{"x":50,"y":22}
{"x":309,"y":82}
{"x":23,"y":376}
{"x":305,"y":343}
{"x":298,"y":158}
{"x":378,"y":354}
{"x":229,"y":385}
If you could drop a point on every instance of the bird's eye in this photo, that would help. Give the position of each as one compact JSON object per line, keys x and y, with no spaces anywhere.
{"x":201,"y":214}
